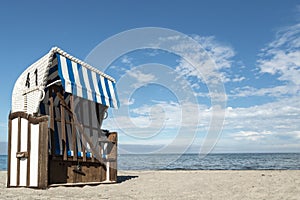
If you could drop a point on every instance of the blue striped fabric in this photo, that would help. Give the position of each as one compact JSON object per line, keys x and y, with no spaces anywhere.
{"x":85,"y":83}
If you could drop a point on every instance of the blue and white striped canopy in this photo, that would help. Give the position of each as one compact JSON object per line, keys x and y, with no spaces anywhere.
{"x":86,"y":83}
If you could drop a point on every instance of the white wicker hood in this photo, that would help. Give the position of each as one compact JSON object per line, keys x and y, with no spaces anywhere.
{"x":30,"y":86}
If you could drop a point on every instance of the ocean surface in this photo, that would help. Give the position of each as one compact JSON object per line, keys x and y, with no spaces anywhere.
{"x":235,"y":161}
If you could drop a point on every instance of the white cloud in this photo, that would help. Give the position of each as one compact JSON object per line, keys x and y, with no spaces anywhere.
{"x":126,"y":60}
{"x":127,"y":102}
{"x":162,"y":117}
{"x":272,"y":127}
{"x":280,"y":117}
{"x":220,"y":53}
{"x":281,"y":56}
{"x":277,"y":91}
{"x":275,"y":123}
{"x":238,"y":78}
{"x":140,"y":77}
{"x":208,"y":62}
{"x":117,"y":69}
{"x":251,"y":135}
{"x":205,"y":58}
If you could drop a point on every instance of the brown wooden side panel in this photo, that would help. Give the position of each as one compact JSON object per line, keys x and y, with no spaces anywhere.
{"x":58,"y":172}
{"x":43,"y":155}
{"x":113,"y":146}
{"x":113,"y":156}
{"x":113,"y":171}
{"x":103,"y":173}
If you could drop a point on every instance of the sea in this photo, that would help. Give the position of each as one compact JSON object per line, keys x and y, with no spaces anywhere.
{"x":224,"y":161}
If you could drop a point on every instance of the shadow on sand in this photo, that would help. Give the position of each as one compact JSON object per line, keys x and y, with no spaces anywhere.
{"x":121,"y":179}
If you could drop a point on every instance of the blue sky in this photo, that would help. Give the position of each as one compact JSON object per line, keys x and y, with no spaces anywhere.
{"x":255,"y":45}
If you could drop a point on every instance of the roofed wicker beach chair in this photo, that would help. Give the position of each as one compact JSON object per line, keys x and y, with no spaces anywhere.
{"x":55,"y":133}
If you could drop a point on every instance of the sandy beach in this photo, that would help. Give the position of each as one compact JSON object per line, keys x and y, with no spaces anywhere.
{"x":175,"y":185}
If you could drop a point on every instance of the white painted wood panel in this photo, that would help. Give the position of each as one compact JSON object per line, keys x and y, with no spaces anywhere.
{"x":14,"y":148}
{"x":23,"y":161}
{"x":34,"y":159}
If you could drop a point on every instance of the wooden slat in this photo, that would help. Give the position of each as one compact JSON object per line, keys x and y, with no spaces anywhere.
{"x":90,"y":122}
{"x":30,"y":118}
{"x":98,"y":115}
{"x":82,"y":138}
{"x":43,"y":155}
{"x":91,"y":127}
{"x":73,"y":129}
{"x":63,"y":132}
{"x":9,"y":152}
{"x":51,"y":113}
{"x":18,"y":150}
{"x":63,"y":102}
{"x":18,"y":114}
{"x":113,"y":137}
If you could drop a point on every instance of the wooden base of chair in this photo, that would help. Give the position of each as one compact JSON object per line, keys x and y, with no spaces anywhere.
{"x":73,"y":172}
